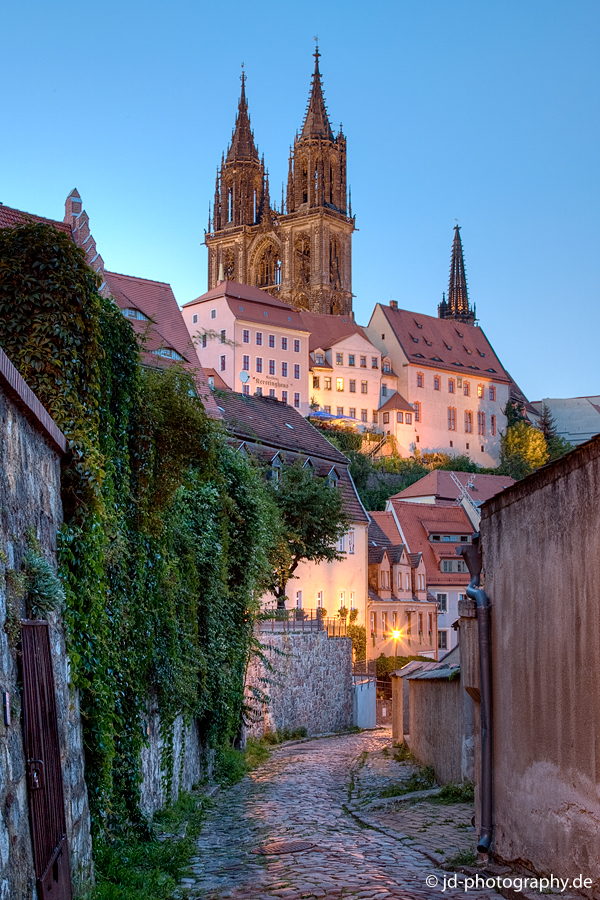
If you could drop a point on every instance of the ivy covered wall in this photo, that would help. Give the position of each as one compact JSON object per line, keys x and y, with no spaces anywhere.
{"x":167,"y":535}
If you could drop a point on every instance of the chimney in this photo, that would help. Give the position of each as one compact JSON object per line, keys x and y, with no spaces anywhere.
{"x":393,"y":304}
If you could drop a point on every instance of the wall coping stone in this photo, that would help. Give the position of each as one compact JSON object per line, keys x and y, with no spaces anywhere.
{"x":21,"y":394}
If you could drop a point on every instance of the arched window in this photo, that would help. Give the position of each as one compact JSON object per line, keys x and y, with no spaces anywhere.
{"x":230,"y":204}
{"x":268,"y":271}
{"x":304,"y":182}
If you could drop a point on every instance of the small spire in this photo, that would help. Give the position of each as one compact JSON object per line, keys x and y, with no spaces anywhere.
{"x":316,"y":122}
{"x":457,"y":305}
{"x":242,"y":142}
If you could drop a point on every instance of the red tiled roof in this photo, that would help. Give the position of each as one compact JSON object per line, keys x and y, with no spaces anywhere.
{"x":418,"y":521}
{"x":218,"y":382}
{"x":10,"y":217}
{"x":396,"y":401}
{"x":236,"y":291}
{"x":383,"y":529}
{"x":445,"y":344}
{"x":166,"y":328}
{"x":439,"y":484}
{"x":267,"y":315}
{"x":325,"y":331}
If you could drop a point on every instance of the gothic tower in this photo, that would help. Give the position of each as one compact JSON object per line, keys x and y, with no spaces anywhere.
{"x":301,"y":253}
{"x":457,"y":305}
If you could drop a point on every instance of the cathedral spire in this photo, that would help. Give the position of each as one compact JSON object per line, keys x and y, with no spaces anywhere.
{"x":457,"y":304}
{"x":316,"y":122}
{"x":242,"y":142}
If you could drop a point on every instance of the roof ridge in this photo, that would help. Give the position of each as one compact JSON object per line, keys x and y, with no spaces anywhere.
{"x":138,"y":278}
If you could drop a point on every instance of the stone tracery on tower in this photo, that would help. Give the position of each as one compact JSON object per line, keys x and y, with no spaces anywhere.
{"x":301,"y":253}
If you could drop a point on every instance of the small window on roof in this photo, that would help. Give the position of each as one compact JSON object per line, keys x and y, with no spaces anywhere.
{"x":437,"y":358}
{"x":491,"y":370}
{"x":265,"y":313}
{"x":459,"y":333}
{"x":289,"y":318}
{"x":241,"y":309}
{"x":417,"y":324}
{"x":420,"y":355}
{"x":287,"y":425}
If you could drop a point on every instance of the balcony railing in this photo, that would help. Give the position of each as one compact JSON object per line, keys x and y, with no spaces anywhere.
{"x":300,"y":620}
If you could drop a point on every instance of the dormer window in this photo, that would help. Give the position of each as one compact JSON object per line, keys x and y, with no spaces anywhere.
{"x":333,"y":477}
{"x":167,"y":352}
{"x":319,"y":359}
{"x":138,"y":314}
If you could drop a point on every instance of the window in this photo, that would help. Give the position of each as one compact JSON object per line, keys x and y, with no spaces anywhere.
{"x":451,"y":419}
{"x":340,"y":410}
{"x":493,"y":425}
{"x":480,"y":390}
{"x":417,"y":408}
{"x":421,"y":582}
{"x":384,"y":390}
{"x":342,"y":599}
{"x":451,"y":385}
{"x":297,"y":401}
{"x":442,"y":640}
{"x":352,"y":412}
{"x":284,"y":366}
{"x":436,"y":382}
{"x":246,"y":336}
{"x":420,"y":623}
{"x":339,"y":359}
{"x":296,"y":371}
{"x":419,"y":379}
{"x":384,"y":627}
{"x":327,"y":381}
{"x":195,"y":319}
{"x":442,"y":601}
{"x":468,"y":421}
{"x":408,"y":625}
{"x":374,"y":625}
{"x":363,"y":415}
{"x":204,"y":341}
{"x":319,"y":599}
{"x":492,"y":392}
{"x":284,"y":343}
{"x":430,"y":624}
{"x":400,"y":417}
{"x":327,"y":409}
{"x":298,"y":599}
{"x":319,"y":359}
{"x":407,"y":582}
{"x":466,"y":389}
{"x":386,"y":418}
{"x":351,"y":541}
{"x":453,"y":565}
{"x":374,"y":362}
{"x":342,"y":544}
{"x":296,"y":346}
{"x":259,"y":363}
{"x":408,"y":418}
{"x":222,"y":364}
{"x":480,"y":423}
{"x":245,"y":389}
{"x":363,"y":362}
{"x":351,"y":358}
{"x":272,"y":392}
{"x":259,"y":338}
{"x":246,"y":363}
{"x":374,"y":417}
{"x":352,"y":599}
{"x":364,"y":387}
{"x":213,"y":314}
{"x":385,"y":578}
{"x":352,"y":386}
{"x":284,"y":396}
{"x":386,"y":368}
{"x":339,"y":384}
{"x":271,"y":367}
{"x":272,"y":341}
{"x":223,"y":336}
{"x":316,"y":382}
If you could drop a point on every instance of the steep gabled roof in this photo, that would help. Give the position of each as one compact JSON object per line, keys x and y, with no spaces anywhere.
{"x":325,"y":331}
{"x":396,"y":401}
{"x":237,"y":291}
{"x":10,"y":217}
{"x":440,"y":485}
{"x":445,"y":344}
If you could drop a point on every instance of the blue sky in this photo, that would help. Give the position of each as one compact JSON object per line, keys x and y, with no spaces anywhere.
{"x":481,"y":111}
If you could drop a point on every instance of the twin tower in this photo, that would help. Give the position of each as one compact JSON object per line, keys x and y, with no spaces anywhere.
{"x":301,"y":252}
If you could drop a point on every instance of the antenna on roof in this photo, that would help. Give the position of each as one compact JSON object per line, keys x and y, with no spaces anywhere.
{"x":465,"y":500}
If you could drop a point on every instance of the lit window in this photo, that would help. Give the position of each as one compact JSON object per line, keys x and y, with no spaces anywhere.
{"x":284,"y":366}
{"x":352,"y":412}
{"x":339,"y":359}
{"x":468,"y":421}
{"x":246,"y":363}
{"x":480,"y":390}
{"x":284,"y":343}
{"x":352,"y":599}
{"x":246,"y":336}
{"x":342,"y":599}
{"x":419,"y":379}
{"x":374,"y":362}
{"x":298,"y":599}
{"x":339,"y":384}
{"x":272,"y":340}
{"x":351,"y":359}
{"x":296,"y":371}
{"x":492,"y":393}
{"x":327,"y":381}
{"x":363,"y":362}
{"x":195,"y":319}
{"x":451,"y":385}
{"x":400,"y":417}
{"x":436,"y":382}
{"x":363,"y":415}
{"x":451,"y":419}
{"x":259,"y":363}
{"x":296,"y":346}
{"x":351,"y":543}
{"x":364,"y":387}
{"x":222,"y":364}
{"x":408,"y":418}
{"x":316,"y":382}
{"x":352,"y":386}
{"x":271,"y":367}
{"x":319,"y":599}
{"x":297,"y":401}
{"x":223,"y":337}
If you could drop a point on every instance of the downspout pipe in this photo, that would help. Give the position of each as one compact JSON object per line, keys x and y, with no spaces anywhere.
{"x":472,"y":557}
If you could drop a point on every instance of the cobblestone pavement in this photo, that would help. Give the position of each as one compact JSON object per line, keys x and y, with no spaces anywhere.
{"x":302,"y":794}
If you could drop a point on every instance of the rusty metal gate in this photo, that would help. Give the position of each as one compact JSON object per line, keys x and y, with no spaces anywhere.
{"x":44,"y":775}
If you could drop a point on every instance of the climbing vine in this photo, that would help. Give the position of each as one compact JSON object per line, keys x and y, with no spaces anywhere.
{"x":167,"y":535}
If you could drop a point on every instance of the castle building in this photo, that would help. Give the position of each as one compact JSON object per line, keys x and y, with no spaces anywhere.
{"x":300,"y":253}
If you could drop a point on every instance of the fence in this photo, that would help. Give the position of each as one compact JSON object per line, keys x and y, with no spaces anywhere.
{"x":300,"y":620}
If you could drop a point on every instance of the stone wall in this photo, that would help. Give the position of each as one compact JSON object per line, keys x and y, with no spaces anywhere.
{"x":441,"y":725}
{"x":30,"y":451}
{"x":310,"y":685}
{"x":191,"y":762}
{"x":541,"y":554}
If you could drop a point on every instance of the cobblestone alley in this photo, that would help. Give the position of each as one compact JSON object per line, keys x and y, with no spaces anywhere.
{"x":320,"y":792}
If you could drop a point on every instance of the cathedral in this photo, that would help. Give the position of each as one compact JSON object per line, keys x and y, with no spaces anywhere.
{"x":301,"y":252}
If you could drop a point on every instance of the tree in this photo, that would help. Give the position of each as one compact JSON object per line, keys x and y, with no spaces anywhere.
{"x":522,"y":450}
{"x":312,"y":519}
{"x":514,"y":412}
{"x":557,"y":446}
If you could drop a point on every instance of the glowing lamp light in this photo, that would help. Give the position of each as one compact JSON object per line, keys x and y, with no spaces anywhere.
{"x":395,"y":635}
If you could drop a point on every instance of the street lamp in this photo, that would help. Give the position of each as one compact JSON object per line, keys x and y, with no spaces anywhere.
{"x":395,"y":635}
